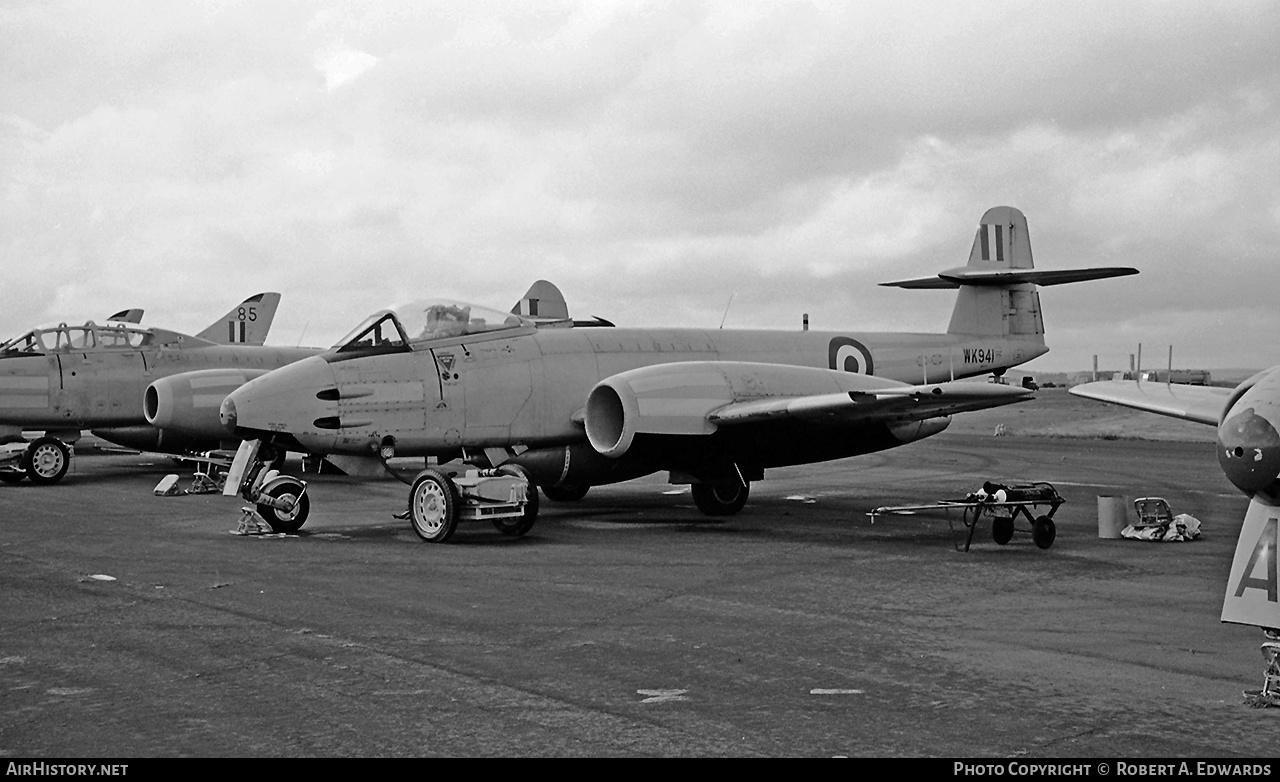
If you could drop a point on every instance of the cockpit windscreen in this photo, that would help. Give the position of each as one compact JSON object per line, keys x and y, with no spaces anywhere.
{"x":394,"y":329}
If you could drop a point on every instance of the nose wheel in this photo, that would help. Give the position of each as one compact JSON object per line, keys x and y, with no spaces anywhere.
{"x":280,"y":501}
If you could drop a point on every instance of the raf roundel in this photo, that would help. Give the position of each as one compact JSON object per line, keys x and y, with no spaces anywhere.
{"x":849,"y":355}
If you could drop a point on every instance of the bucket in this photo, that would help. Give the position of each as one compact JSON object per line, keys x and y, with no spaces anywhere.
{"x":1111,"y":516}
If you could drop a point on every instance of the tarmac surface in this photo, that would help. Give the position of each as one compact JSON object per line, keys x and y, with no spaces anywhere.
{"x":629,"y":624}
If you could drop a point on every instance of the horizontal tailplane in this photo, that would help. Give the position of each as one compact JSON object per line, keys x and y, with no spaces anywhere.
{"x":998,"y":294}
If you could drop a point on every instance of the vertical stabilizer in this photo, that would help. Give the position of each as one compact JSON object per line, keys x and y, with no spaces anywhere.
{"x":1002,"y":244}
{"x":543,"y":302}
{"x":132,"y":315}
{"x":1002,"y":241}
{"x":246,"y":324}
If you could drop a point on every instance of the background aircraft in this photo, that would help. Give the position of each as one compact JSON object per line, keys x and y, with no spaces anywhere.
{"x":132,"y":315}
{"x":64,"y":379}
{"x":575,"y":407}
{"x":1248,"y":422}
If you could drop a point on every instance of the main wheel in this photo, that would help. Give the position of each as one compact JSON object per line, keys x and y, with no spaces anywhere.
{"x":1002,"y":529}
{"x":516,"y":527}
{"x":1043,"y":532}
{"x":47,"y":460}
{"x":433,"y":506}
{"x":720,"y":499}
{"x":567,"y":493}
{"x":10,"y":475}
{"x":293,"y":520}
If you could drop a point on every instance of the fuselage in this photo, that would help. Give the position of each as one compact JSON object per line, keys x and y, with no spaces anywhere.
{"x":526,"y":387}
{"x":69,"y":385}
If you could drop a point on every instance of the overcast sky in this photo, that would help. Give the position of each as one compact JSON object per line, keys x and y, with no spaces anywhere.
{"x":664,"y":163}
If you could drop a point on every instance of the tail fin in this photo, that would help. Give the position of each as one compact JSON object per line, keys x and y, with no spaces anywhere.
{"x":133,"y":315}
{"x":543,"y":302}
{"x":246,"y":324}
{"x":998,"y":294}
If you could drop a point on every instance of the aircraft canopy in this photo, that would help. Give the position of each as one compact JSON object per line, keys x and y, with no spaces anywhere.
{"x":63,"y":338}
{"x":400,"y":327}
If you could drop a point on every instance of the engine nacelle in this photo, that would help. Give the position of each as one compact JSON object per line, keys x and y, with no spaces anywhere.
{"x":910,"y":431}
{"x":1249,"y":435}
{"x":188,"y":402}
{"x":679,"y":398}
{"x":663,"y":399}
{"x":151,"y":438}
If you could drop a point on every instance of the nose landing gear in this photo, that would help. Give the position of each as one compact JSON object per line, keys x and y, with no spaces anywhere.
{"x":280,"y":502}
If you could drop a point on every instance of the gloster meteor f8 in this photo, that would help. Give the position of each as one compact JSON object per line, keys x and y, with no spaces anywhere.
{"x":571,"y":407}
{"x":63,"y":379}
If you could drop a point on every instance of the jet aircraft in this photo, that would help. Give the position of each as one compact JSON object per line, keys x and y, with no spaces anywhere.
{"x":63,"y":379}
{"x":575,"y":407}
{"x":1248,"y":422}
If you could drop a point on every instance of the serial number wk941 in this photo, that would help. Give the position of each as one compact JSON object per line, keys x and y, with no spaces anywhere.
{"x":981,"y":355}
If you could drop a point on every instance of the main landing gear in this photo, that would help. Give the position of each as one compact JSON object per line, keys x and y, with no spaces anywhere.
{"x":720,"y":499}
{"x":44,"y":461}
{"x":440,"y":499}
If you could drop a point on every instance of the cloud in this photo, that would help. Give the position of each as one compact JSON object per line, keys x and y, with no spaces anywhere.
{"x":653,"y":159}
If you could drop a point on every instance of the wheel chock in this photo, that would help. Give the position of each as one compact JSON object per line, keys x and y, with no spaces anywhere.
{"x":251,"y":523}
{"x":168,"y":486}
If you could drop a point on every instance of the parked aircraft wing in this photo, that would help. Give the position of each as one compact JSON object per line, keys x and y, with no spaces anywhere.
{"x":1202,"y":404}
{"x":246,"y":324}
{"x":911,"y":403}
{"x":133,"y":315}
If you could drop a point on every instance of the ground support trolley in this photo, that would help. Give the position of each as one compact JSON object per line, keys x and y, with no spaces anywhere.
{"x":1004,"y":504}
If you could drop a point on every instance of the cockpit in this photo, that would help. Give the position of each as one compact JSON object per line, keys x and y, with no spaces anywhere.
{"x":63,"y":339}
{"x":399,"y":328}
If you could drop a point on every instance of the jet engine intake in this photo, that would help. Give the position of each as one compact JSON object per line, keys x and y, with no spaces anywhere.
{"x":662,"y":399}
{"x":188,"y":402}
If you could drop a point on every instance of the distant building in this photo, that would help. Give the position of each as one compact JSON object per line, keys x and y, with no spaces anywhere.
{"x":1190,"y":377}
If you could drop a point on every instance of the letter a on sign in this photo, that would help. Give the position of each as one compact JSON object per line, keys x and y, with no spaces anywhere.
{"x":1253,"y":591}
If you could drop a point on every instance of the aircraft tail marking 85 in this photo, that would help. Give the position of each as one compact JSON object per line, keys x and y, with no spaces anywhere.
{"x":246,"y":323}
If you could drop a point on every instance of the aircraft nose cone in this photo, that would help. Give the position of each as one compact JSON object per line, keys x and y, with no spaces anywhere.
{"x":227,"y":414}
{"x":1249,"y":450}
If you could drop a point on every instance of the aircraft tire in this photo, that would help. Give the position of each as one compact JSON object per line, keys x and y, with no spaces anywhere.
{"x":720,"y":499}
{"x":47,"y":460}
{"x":1043,"y":532}
{"x":10,"y":475}
{"x":1001,"y":530}
{"x":567,"y":493}
{"x":286,"y":522}
{"x":433,"y":506}
{"x":517,"y":527}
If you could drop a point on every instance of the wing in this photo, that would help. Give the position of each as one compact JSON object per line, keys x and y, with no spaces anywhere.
{"x":1202,"y":404}
{"x":905,"y":403}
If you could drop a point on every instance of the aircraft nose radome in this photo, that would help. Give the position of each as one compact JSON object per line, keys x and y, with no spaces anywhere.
{"x":1249,"y":450}
{"x":282,"y":400}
